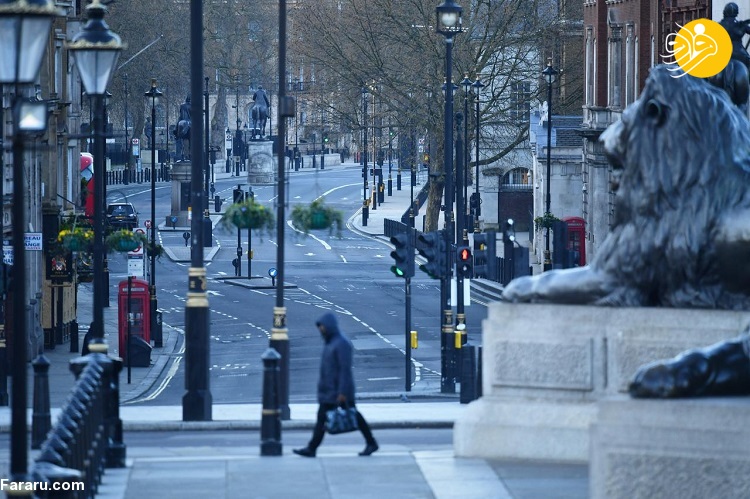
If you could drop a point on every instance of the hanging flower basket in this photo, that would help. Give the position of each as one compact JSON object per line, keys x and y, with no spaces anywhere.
{"x":125,"y":240}
{"x":317,"y":216}
{"x":248,"y":215}
{"x":155,"y":250}
{"x":76,"y":239}
{"x":545,"y":222}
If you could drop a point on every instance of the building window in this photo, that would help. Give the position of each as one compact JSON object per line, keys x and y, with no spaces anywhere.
{"x":615,"y":67}
{"x":520,"y":97}
{"x":517,"y":177}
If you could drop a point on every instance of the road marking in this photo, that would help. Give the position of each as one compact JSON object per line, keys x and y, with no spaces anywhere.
{"x":390,"y":378}
{"x":343,"y":259}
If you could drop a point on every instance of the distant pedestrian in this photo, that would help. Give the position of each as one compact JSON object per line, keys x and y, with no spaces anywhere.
{"x":335,"y":385}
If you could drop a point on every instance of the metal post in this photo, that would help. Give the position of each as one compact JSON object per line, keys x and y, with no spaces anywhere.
{"x":270,"y":426}
{"x":448,"y":376}
{"x":19,"y":453}
{"x":97,"y":343}
{"x":407,"y":332}
{"x":152,"y":253}
{"x":279,"y":332}
{"x":547,"y":180}
{"x":196,"y":403}
{"x":126,"y":173}
{"x":41,"y":420}
{"x":461,"y":235}
{"x":390,"y":158}
{"x":365,"y":207}
{"x":3,"y":315}
{"x":478,"y":209}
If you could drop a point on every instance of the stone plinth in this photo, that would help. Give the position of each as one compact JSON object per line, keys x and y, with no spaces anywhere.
{"x":180,"y":176}
{"x":691,"y":448}
{"x":546,"y":366}
{"x":261,"y":163}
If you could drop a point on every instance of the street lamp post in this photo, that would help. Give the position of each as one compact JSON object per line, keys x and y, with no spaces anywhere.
{"x":448,"y":24}
{"x":28,"y":22}
{"x":197,"y":400}
{"x":477,"y":200}
{"x":549,"y":74}
{"x":365,"y":208}
{"x":153,"y":94}
{"x":466,"y":84}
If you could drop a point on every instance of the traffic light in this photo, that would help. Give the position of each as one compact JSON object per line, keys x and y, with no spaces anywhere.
{"x":238,"y":196}
{"x":403,"y":255}
{"x":431,"y":246}
{"x":325,"y":138}
{"x":464,"y":262}
{"x":485,"y":260}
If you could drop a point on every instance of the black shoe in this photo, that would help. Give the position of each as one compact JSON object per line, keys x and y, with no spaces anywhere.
{"x":369,"y":449}
{"x":307,"y":452}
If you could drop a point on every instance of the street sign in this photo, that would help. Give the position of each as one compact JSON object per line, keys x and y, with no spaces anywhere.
{"x":32,"y":241}
{"x":148,"y":224}
{"x":8,"y":255}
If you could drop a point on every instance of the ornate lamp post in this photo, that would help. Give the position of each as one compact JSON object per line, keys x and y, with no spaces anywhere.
{"x":549,"y":74}
{"x":96,"y":50}
{"x":153,"y":94}
{"x":448,"y":24}
{"x":477,"y":85}
{"x":25,"y":26}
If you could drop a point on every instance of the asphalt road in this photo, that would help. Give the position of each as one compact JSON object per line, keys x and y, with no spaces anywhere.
{"x":349,"y":275}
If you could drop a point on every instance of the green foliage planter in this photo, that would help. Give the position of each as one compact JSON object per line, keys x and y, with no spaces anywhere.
{"x":545,"y":222}
{"x":317,"y":216}
{"x":125,"y":240}
{"x":248,"y":215}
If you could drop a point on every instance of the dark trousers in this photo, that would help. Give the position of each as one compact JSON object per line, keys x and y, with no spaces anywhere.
{"x":319,"y":431}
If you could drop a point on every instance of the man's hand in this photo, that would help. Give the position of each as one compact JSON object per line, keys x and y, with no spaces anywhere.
{"x":341,"y":399}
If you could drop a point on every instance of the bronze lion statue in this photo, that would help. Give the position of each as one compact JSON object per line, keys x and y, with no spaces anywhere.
{"x":680,"y":160}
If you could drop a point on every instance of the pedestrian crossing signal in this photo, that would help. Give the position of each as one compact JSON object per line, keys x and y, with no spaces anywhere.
{"x":464,"y":263}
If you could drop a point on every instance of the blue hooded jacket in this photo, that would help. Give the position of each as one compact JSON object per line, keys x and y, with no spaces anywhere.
{"x":335,"y":364}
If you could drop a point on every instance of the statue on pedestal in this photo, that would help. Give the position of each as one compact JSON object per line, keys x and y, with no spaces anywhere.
{"x":182,"y":131}
{"x":259,"y":113}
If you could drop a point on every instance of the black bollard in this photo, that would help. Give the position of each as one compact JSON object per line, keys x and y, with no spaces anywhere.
{"x":41,"y":420}
{"x":479,"y":372}
{"x":468,"y":374}
{"x":270,"y":423}
{"x":74,"y":337}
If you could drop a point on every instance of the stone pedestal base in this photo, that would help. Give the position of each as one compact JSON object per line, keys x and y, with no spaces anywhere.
{"x":180,"y":176}
{"x":261,"y":163}
{"x":546,"y":366}
{"x":692,"y":448}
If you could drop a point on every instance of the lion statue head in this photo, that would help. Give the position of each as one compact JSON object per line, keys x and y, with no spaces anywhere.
{"x":680,"y":158}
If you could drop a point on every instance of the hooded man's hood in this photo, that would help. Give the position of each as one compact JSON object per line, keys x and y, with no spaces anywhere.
{"x":329,"y":321}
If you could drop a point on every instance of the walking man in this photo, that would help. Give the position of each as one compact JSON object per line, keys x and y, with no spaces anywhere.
{"x":336,"y":385}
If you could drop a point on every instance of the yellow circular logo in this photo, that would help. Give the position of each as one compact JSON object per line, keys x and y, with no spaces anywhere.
{"x":701,"y":48}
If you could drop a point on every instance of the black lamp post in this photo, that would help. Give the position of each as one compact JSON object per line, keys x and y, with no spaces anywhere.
{"x":96,"y":50}
{"x":153,"y":94}
{"x":28,"y":22}
{"x":448,"y":24}
{"x":365,"y":208}
{"x":478,"y":85}
{"x":549,"y":74}
{"x":197,"y":400}
{"x":466,"y":85}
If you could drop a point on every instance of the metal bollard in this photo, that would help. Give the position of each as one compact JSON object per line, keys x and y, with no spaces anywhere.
{"x":41,"y":420}
{"x":468,"y":374}
{"x":270,"y":424}
{"x":479,"y":372}
{"x":52,"y":474}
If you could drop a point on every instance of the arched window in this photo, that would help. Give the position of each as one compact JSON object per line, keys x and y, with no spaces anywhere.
{"x":517,"y":178}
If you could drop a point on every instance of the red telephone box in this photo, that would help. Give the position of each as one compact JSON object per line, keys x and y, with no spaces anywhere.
{"x":577,"y":237}
{"x":140,"y":309}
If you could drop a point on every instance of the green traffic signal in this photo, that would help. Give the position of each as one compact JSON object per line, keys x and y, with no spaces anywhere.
{"x":403,"y":255}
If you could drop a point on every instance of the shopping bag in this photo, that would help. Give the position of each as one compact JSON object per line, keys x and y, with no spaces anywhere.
{"x":341,"y":420}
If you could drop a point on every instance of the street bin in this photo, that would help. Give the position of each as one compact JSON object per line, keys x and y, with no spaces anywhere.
{"x":140,"y":323}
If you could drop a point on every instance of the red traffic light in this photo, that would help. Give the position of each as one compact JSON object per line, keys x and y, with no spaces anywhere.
{"x":464,"y":254}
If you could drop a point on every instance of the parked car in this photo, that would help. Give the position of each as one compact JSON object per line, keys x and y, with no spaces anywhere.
{"x":122,"y":216}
